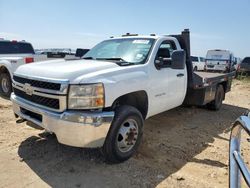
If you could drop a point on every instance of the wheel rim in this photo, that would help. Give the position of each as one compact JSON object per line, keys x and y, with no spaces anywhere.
{"x":5,"y":85}
{"x":127,"y":135}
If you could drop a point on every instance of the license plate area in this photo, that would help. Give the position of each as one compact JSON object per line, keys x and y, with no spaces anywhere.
{"x":210,"y":66}
{"x":33,"y":115}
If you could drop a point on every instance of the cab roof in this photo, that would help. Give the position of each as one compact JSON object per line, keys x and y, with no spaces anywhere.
{"x":142,"y":36}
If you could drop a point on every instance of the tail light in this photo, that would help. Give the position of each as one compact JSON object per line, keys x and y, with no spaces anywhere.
{"x":29,"y":60}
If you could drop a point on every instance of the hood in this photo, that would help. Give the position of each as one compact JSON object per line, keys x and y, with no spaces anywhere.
{"x":63,"y":69}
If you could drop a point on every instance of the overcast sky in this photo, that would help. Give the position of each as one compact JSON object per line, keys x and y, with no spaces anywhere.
{"x":214,"y":24}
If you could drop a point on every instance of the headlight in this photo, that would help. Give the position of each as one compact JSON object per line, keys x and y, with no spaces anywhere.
{"x":86,"y":96}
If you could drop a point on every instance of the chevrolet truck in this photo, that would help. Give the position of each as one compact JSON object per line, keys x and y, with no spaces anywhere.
{"x":103,"y":99}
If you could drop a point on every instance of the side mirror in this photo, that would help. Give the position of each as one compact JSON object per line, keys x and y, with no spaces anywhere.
{"x":178,"y":59}
{"x":163,"y":62}
{"x":159,"y":63}
{"x":81,"y":52}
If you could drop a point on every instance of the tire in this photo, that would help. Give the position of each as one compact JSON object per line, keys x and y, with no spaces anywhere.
{"x":195,"y":69}
{"x":5,"y":85}
{"x":127,"y":127}
{"x":219,"y":96}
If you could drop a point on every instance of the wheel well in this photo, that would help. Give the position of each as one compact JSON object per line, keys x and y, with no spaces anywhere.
{"x":3,"y":69}
{"x":138,"y":99}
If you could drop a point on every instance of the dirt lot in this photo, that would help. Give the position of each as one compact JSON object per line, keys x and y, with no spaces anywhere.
{"x":184,"y":147}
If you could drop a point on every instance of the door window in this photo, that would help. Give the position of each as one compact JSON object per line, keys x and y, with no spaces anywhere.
{"x":165,"y":52}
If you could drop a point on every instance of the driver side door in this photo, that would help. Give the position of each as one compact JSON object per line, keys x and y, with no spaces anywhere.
{"x":168,"y":85}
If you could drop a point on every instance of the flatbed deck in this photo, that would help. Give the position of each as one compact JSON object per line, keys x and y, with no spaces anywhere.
{"x":202,"y":79}
{"x":204,"y":86}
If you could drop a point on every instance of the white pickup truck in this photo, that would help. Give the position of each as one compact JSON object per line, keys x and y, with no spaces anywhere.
{"x":12,"y":55}
{"x":103,"y":99}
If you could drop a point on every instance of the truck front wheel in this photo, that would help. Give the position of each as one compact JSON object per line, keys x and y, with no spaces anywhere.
{"x":5,"y":85}
{"x":219,"y":96}
{"x":124,"y":135}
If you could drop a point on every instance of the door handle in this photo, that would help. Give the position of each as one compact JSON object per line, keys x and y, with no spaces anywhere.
{"x":180,"y":75}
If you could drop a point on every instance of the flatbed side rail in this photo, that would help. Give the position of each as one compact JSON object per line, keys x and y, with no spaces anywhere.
{"x":236,"y":162}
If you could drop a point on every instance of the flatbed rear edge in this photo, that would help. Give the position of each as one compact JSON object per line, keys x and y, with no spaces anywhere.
{"x":204,"y":87}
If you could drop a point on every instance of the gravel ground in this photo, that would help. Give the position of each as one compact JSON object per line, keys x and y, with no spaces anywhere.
{"x":183,"y":147}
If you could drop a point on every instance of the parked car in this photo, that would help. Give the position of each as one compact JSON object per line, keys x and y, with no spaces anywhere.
{"x":198,"y":63}
{"x":220,"y":60}
{"x":238,"y":168}
{"x":244,"y":66}
{"x":12,"y":55}
{"x":103,"y":99}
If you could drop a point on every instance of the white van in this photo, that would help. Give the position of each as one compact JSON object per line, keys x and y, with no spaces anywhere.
{"x":198,"y":63}
{"x":219,"y":60}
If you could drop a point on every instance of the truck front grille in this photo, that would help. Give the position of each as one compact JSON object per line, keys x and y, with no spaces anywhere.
{"x":38,"y":83}
{"x":44,"y":101}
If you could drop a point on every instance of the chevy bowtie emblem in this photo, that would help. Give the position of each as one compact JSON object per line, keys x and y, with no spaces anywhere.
{"x":28,"y":89}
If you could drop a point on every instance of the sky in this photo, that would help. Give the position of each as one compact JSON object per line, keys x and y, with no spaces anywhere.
{"x":214,"y":24}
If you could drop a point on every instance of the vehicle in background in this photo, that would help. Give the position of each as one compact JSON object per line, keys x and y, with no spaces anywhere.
{"x":238,"y":167}
{"x":56,"y":54}
{"x":12,"y":55}
{"x":244,"y":66}
{"x":198,"y":63}
{"x":78,"y":54}
{"x":103,"y":99}
{"x":237,"y":63}
{"x":220,"y":60}
{"x":81,"y":52}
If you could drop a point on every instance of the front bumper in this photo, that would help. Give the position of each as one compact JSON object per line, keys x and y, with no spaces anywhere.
{"x":74,"y":128}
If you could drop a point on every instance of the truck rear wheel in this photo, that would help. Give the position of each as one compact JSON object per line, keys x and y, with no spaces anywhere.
{"x":5,"y":85}
{"x":219,"y":96}
{"x":124,"y":135}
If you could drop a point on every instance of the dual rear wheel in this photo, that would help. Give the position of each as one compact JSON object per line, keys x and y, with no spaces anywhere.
{"x":219,"y":97}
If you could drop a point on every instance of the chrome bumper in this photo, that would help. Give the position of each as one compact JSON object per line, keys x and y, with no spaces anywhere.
{"x":74,"y":128}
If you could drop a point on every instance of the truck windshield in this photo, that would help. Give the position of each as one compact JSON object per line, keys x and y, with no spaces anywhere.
{"x":8,"y":47}
{"x":129,"y":50}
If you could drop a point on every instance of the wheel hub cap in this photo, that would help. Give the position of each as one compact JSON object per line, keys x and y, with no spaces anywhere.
{"x":5,"y":85}
{"x":127,"y":135}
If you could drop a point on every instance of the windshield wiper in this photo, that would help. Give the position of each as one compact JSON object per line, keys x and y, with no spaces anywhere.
{"x":87,"y":58}
{"x":118,"y":60}
{"x":112,"y":59}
